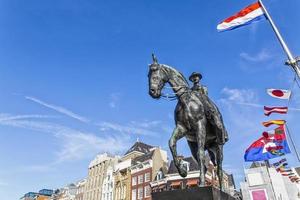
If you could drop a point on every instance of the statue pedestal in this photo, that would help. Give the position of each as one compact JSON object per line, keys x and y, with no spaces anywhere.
{"x":201,"y":193}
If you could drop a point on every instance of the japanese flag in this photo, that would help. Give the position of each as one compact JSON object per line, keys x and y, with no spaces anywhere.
{"x":278,"y":93}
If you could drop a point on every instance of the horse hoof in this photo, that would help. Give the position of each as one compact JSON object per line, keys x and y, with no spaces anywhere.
{"x":201,"y":185}
{"x":183,"y":170}
{"x":183,"y":173}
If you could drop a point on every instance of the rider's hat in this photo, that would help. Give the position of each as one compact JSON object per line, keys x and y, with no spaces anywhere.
{"x":195,"y":74}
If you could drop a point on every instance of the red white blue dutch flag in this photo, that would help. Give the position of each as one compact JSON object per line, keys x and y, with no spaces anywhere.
{"x":248,"y":15}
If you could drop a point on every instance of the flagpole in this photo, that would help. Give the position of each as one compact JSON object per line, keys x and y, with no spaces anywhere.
{"x":293,"y":144}
{"x":292,"y":61}
{"x":267,"y":164}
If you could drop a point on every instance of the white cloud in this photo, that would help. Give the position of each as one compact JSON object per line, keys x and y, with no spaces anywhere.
{"x":7,"y":117}
{"x":242,"y":110}
{"x":132,"y":128}
{"x":2,"y":184}
{"x":239,"y":95}
{"x":114,"y":100}
{"x":76,"y":144}
{"x":58,"y":109}
{"x":146,"y":124}
{"x":263,"y":55}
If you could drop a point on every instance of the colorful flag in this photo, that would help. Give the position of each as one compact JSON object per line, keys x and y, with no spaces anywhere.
{"x":279,"y":93}
{"x":286,"y":171}
{"x":284,"y":174}
{"x":274,"y":122}
{"x":277,"y":164}
{"x":294,"y":179}
{"x":252,"y":13}
{"x":272,"y":144}
{"x":282,"y":167}
{"x":270,"y":110}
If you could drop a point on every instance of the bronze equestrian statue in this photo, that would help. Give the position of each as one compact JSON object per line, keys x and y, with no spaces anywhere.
{"x":196,"y":117}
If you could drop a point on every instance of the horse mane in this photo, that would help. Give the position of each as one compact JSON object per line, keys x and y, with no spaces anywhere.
{"x":173,"y":70}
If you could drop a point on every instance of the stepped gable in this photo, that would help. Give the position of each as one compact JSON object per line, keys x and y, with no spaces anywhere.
{"x":143,"y":158}
{"x":257,"y":164}
{"x":193,"y":166}
{"x":140,"y":147}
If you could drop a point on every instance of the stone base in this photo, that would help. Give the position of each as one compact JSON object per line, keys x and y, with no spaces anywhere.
{"x":200,"y":193}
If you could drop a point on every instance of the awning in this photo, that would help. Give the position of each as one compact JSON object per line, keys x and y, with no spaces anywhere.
{"x":192,"y":182}
{"x":176,"y":183}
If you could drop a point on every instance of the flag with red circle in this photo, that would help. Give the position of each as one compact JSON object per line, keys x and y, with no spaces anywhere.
{"x":279,"y":93}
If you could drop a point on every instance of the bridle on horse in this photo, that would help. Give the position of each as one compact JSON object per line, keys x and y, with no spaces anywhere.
{"x":173,"y":96}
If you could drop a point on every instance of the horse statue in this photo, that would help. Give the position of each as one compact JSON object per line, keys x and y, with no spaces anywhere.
{"x":196,"y":117}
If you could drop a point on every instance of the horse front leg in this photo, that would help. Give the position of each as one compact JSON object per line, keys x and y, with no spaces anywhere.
{"x":178,"y":133}
{"x":201,"y":135}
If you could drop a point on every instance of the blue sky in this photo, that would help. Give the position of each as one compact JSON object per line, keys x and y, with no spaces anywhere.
{"x":73,"y":80}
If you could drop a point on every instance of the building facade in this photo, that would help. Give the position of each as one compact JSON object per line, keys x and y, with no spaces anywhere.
{"x":66,"y":193}
{"x":264,"y":182}
{"x":143,"y":170}
{"x":108,"y":184}
{"x":122,"y":172}
{"x":122,"y":180}
{"x":44,"y":194}
{"x":172,"y":180}
{"x":80,"y":189}
{"x":96,"y":174}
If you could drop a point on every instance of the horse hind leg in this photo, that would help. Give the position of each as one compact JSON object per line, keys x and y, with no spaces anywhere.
{"x":219,"y":155}
{"x":194,"y":150}
{"x":201,"y":133}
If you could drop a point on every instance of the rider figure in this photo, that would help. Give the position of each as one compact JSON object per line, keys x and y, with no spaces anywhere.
{"x":211,"y":111}
{"x":195,"y":78}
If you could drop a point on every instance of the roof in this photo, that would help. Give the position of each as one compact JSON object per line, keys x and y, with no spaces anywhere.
{"x":257,"y":164}
{"x":143,"y":158}
{"x":140,"y":147}
{"x":46,"y":192}
{"x":99,"y":159}
{"x":193,"y":166}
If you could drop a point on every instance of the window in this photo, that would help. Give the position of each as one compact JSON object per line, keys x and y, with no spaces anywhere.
{"x":134,"y":181}
{"x":118,"y":193}
{"x":147,"y":177}
{"x":258,"y":194}
{"x":147,"y":191}
{"x":140,"y":193}
{"x":133,"y":194}
{"x":141,"y":179}
{"x":123,"y":193}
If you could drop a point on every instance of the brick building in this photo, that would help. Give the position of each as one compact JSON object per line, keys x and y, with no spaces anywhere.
{"x":122,"y":172}
{"x":172,"y":180}
{"x":143,"y":170}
